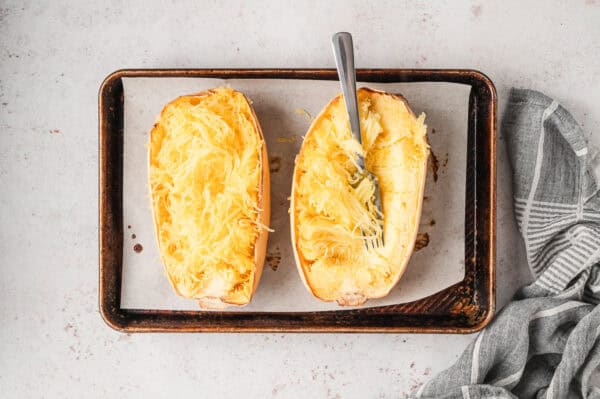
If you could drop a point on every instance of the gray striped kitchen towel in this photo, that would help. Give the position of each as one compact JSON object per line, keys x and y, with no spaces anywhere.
{"x":545,"y":343}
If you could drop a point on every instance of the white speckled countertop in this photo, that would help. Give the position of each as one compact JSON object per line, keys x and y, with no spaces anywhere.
{"x":53,"y":56}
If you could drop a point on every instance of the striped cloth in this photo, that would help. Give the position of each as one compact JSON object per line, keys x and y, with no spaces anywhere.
{"x":544,"y":344}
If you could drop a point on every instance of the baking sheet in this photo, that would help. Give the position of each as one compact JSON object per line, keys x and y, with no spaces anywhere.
{"x":285,"y":108}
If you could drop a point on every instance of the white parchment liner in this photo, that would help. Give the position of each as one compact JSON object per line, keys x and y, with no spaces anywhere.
{"x":284,"y":108}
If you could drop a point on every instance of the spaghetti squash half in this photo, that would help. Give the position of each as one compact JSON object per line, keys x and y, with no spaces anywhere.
{"x":334,"y":221}
{"x":209,"y":185}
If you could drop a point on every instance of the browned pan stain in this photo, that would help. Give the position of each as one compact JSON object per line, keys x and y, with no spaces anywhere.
{"x":432,"y":222}
{"x":55,"y":131}
{"x":275,"y":164}
{"x":274,"y":259}
{"x":133,"y":236}
{"x":422,"y":241}
{"x":138,"y":248}
{"x":434,"y":164}
{"x":464,"y":306}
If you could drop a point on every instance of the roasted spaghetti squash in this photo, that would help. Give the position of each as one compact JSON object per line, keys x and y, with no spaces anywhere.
{"x":209,"y":186}
{"x":335,"y":226}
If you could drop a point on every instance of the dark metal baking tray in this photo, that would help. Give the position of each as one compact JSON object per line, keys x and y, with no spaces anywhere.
{"x":464,"y":307}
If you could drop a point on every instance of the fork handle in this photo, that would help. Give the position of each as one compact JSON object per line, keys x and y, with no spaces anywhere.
{"x":344,"y":60}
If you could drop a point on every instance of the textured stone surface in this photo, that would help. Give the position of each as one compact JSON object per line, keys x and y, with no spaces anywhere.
{"x":53,"y":56}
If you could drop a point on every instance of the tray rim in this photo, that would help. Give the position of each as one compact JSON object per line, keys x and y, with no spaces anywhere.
{"x":381,"y":319}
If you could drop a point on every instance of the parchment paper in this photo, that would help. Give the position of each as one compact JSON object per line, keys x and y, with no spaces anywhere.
{"x":282,"y":107}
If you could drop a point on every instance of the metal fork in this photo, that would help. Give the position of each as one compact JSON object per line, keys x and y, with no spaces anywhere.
{"x":344,"y":60}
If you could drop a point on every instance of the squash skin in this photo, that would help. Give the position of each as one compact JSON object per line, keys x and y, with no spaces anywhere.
{"x":354,"y":298}
{"x":264,"y":205}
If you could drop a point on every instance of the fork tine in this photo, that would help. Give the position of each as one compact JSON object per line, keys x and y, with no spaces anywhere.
{"x":365,"y":239}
